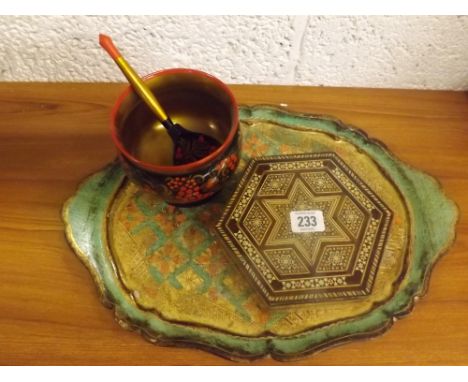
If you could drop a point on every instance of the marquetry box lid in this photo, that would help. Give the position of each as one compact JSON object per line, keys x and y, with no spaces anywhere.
{"x":305,"y":228}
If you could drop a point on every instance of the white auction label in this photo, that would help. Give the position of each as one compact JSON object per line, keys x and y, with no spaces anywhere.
{"x":307,"y":221}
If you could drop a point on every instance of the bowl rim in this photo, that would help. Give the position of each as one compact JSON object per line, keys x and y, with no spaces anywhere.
{"x":185,"y":167}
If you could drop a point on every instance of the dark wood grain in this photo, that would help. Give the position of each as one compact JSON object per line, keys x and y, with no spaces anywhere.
{"x":53,"y":135}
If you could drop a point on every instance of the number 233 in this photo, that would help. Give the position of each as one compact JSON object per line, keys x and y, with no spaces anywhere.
{"x":307,"y":221}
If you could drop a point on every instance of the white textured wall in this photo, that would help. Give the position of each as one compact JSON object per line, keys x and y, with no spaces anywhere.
{"x":427,"y":52}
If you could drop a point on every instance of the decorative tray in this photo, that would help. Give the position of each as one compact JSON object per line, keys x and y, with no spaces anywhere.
{"x":171,"y":276}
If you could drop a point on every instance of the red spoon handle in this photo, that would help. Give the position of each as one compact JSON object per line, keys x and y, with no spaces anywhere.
{"x":106,"y":42}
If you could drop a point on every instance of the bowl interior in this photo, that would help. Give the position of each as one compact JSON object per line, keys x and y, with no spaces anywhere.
{"x":197,"y":102}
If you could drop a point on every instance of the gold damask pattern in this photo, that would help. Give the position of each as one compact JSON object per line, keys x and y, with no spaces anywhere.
{"x":173,"y":264}
{"x":171,"y":278}
{"x":289,"y":267}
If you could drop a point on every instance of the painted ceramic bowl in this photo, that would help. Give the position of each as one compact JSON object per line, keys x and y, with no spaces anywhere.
{"x":197,"y":101}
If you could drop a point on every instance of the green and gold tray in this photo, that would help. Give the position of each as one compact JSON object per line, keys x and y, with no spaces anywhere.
{"x":168,"y":275}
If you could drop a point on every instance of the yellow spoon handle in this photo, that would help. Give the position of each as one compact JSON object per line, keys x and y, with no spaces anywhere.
{"x":141,"y":89}
{"x":137,"y":83}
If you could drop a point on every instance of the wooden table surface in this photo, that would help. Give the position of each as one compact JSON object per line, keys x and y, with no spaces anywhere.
{"x":53,"y":135}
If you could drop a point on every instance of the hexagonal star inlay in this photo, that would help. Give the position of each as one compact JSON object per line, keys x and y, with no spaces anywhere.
{"x":289,"y":267}
{"x":302,"y":199}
